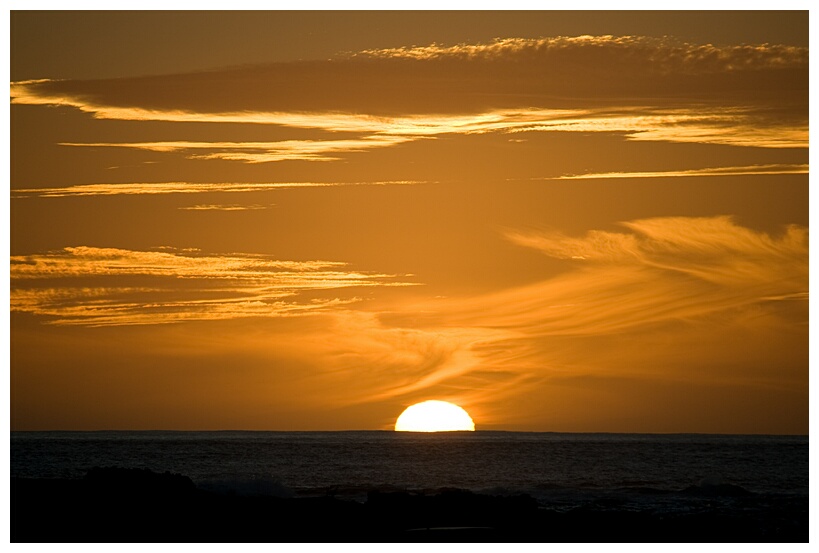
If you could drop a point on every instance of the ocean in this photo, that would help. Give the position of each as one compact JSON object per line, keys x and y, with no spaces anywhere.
{"x":544,"y":465}
{"x":748,"y":476}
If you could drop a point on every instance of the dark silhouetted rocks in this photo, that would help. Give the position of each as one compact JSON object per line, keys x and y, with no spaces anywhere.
{"x":133,"y":505}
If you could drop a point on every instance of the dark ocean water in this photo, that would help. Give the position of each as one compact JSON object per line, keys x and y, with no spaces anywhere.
{"x":632,"y":471}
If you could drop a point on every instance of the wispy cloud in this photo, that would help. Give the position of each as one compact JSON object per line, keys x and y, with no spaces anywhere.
{"x":260,"y":152}
{"x":697,"y":124}
{"x":735,"y":126}
{"x":392,"y":361}
{"x":224,"y":207}
{"x":671,"y":281}
{"x":113,"y":189}
{"x":665,"y":270}
{"x":83,"y":286}
{"x":712,"y":249}
{"x":662,"y":54}
{"x":771,"y":169}
{"x":360,"y":121}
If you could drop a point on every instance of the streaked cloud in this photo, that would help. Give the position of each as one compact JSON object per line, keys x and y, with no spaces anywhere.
{"x":645,"y":88}
{"x":712,"y":249}
{"x":86,"y":260}
{"x":666,"y":302}
{"x":261,"y":152}
{"x":393,"y":361}
{"x":224,"y":207}
{"x":771,"y":169}
{"x":112,"y":189}
{"x":418,"y":125}
{"x":664,"y":54}
{"x":666,"y":269}
{"x":671,"y":280}
{"x":698,"y":124}
{"x":83,"y":286}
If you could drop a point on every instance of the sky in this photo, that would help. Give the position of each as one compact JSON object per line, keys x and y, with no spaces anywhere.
{"x":560,"y":221}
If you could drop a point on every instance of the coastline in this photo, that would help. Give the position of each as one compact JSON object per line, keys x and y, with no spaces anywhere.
{"x":137,"y":505}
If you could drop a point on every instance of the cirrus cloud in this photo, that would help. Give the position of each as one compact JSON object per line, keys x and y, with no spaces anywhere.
{"x":677,"y":281}
{"x":86,"y":285}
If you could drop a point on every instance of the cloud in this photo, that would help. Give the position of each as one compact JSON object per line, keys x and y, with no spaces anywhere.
{"x":260,"y":152}
{"x":115,"y":189}
{"x":647,"y":89}
{"x":733,"y":126}
{"x":86,"y":260}
{"x":739,"y":126}
{"x":661,"y":54}
{"x":660,"y":304}
{"x":388,"y":361}
{"x":224,"y":207}
{"x":675,"y":285}
{"x":712,"y":249}
{"x":359,"y":120}
{"x":698,"y":124}
{"x":84,"y":286}
{"x":664,"y":272}
{"x":508,"y":73}
{"x":771,"y":169}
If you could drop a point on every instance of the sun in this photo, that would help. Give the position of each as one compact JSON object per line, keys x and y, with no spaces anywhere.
{"x":434,"y":416}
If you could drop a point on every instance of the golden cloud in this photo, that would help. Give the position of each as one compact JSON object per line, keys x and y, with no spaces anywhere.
{"x":112,"y":189}
{"x":84,"y":286}
{"x":748,"y":95}
{"x":668,"y":280}
{"x":223,"y":207}
{"x":662,"y":54}
{"x":261,"y":152}
{"x":769,"y":169}
{"x":699,"y":124}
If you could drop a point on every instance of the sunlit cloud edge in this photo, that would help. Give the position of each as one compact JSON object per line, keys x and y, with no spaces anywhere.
{"x":217,"y":287}
{"x":771,"y":169}
{"x":112,"y":189}
{"x":695,"y":124}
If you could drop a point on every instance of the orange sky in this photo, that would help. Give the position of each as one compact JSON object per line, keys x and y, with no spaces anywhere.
{"x":561,"y":221}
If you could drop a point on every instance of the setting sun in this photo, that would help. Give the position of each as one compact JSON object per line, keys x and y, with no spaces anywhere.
{"x":434,"y":416}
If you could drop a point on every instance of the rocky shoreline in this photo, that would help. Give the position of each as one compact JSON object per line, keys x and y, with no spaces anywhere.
{"x":138,"y":506}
